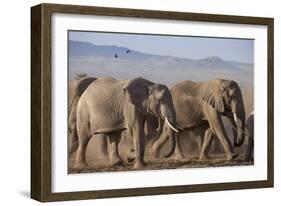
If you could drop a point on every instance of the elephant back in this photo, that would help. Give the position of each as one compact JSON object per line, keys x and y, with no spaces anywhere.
{"x":186,"y":87}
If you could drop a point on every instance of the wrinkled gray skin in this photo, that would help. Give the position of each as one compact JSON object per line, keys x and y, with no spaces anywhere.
{"x":76,"y":88}
{"x":198,"y":103}
{"x":250,"y":148}
{"x":109,"y":106}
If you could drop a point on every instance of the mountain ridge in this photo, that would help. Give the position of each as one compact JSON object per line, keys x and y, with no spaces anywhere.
{"x":122,"y":62}
{"x":88,"y":49}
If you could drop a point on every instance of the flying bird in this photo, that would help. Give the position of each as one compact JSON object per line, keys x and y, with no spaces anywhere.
{"x":127,"y":51}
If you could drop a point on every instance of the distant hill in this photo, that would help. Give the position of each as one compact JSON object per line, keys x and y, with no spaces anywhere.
{"x":122,"y":62}
{"x":85,"y":49}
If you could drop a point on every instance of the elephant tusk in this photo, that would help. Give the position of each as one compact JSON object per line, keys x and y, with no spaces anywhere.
{"x":169,"y":124}
{"x":244,"y":132}
{"x":235,"y":117}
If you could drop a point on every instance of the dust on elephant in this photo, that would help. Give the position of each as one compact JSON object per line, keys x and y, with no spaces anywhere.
{"x":110,"y":106}
{"x":205,"y":102}
{"x":76,"y":88}
{"x":189,"y":142}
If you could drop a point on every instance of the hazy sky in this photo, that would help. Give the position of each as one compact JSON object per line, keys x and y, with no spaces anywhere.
{"x":241,"y":50}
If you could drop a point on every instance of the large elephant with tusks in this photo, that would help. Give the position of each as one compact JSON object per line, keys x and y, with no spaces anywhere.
{"x":198,"y":104}
{"x":110,"y":107}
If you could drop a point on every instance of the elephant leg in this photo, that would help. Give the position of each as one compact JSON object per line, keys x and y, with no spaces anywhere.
{"x":199,"y":141}
{"x":114,"y":139}
{"x":103,"y":146}
{"x":131,"y":150}
{"x":178,"y":152}
{"x":80,"y":162}
{"x":139,"y":147}
{"x":217,"y":127}
{"x":206,"y":144}
{"x":249,"y":151}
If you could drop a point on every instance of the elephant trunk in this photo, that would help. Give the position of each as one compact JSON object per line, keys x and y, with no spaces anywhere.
{"x":167,"y":134}
{"x":170,"y":129}
{"x":171,"y":135}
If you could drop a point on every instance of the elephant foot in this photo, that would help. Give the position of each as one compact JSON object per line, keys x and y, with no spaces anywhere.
{"x":204,"y":157}
{"x":179,"y":156}
{"x":231,"y":156}
{"x":115,"y":161}
{"x":139,"y":165}
{"x":248,"y":159}
{"x":154,"y":152}
{"x":155,"y":155}
{"x":80,"y":165}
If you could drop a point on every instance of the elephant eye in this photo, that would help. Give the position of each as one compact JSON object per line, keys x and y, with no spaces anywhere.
{"x":161,"y":100}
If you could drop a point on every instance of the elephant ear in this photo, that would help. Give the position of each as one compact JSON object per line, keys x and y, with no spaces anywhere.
{"x":213,"y":94}
{"x":138,"y":91}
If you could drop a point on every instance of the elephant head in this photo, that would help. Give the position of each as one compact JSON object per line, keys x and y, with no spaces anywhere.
{"x":154,"y":100}
{"x":226,"y":97}
{"x":167,"y":125}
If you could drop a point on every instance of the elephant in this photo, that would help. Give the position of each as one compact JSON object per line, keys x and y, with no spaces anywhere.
{"x":111,"y":107}
{"x":206,"y":102}
{"x":250,"y":146}
{"x":76,"y":89}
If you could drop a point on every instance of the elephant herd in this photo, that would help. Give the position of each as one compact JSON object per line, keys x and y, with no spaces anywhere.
{"x":144,"y":112}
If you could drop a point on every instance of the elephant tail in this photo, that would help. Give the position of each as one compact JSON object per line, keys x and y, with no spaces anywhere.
{"x":73,"y":141}
{"x":82,"y":128}
{"x":72,"y":126}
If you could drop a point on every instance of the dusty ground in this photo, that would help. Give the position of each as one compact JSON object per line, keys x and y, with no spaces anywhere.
{"x":156,"y":164}
{"x":98,"y":161}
